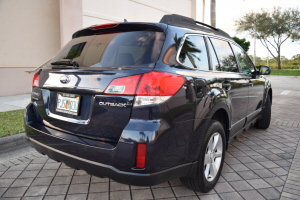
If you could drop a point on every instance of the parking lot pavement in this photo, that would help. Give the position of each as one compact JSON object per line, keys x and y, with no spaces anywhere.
{"x":259,"y":164}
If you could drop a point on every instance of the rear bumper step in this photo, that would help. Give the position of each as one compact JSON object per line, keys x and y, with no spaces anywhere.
{"x":102,"y":170}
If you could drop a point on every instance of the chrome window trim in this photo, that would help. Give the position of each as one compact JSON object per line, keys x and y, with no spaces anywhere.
{"x":239,"y":63}
{"x":181,"y":45}
{"x":256,"y":111}
{"x":229,"y":43}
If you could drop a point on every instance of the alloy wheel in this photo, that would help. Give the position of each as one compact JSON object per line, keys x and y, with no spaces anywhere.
{"x":213,"y":156}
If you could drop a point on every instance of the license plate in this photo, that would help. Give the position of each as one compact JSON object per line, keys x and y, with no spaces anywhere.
{"x":68,"y":103}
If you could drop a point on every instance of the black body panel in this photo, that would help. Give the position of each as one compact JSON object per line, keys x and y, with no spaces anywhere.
{"x":102,"y":170}
{"x":102,"y":139}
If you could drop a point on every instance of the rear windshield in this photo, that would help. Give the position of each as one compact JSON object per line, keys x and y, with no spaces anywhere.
{"x":114,"y":49}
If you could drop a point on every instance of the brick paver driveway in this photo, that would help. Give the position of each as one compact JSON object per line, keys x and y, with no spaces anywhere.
{"x":260,"y":164}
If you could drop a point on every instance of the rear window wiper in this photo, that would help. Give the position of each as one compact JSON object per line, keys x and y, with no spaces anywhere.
{"x":66,"y":62}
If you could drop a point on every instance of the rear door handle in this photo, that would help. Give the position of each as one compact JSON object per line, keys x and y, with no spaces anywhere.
{"x":226,"y":86}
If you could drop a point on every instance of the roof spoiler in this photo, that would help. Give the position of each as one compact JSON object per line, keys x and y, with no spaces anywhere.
{"x":119,"y":27}
{"x":182,"y":21}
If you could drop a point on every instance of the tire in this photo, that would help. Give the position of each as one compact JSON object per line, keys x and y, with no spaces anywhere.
{"x":205,"y":178}
{"x":265,"y":120}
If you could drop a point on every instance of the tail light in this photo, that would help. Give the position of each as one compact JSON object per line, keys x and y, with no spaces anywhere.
{"x":123,"y":86}
{"x":149,"y":88}
{"x":36,"y":80}
{"x":141,"y":156}
{"x":157,"y":87}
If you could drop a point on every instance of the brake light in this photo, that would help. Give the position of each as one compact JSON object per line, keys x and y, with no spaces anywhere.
{"x":159,"y":84}
{"x":36,"y":80}
{"x":123,"y":86}
{"x":141,"y":156}
{"x":101,"y":26}
{"x":149,"y":88}
{"x":157,"y":87}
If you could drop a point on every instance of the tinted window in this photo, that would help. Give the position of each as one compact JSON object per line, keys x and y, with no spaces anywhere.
{"x":246,"y":64}
{"x":75,"y":51}
{"x":193,"y":53}
{"x":213,"y":57}
{"x":114,"y":49}
{"x":225,"y":55}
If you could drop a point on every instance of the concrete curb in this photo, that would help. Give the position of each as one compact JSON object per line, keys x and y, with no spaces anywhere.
{"x":13,"y":142}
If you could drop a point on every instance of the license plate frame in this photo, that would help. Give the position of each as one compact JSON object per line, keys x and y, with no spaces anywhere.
{"x":72,"y":101}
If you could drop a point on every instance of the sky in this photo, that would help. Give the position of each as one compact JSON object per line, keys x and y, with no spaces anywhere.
{"x":227,"y":11}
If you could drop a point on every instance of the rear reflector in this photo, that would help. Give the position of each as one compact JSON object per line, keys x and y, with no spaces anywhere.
{"x":36,"y":80}
{"x":101,"y":26}
{"x":141,"y":156}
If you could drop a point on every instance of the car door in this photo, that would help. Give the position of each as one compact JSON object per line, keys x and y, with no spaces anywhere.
{"x":256,"y":83}
{"x":234,"y":84}
{"x":193,"y":55}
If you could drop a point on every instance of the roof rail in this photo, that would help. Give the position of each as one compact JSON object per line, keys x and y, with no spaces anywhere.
{"x":182,"y":21}
{"x":203,"y":24}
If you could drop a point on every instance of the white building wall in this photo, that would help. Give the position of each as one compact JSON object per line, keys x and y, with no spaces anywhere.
{"x":103,"y":11}
{"x":29,"y":32}
{"x":29,"y":37}
{"x":33,"y":31}
{"x":70,"y":19}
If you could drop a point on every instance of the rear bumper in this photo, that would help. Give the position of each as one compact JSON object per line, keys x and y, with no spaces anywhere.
{"x":102,"y":170}
{"x":112,"y":160}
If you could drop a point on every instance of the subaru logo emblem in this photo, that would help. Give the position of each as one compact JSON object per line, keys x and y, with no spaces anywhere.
{"x":65,"y":79}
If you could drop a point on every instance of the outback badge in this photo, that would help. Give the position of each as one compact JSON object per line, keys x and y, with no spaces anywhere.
{"x":112,"y":104}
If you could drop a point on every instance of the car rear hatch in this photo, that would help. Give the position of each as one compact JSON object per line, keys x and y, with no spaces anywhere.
{"x":74,"y":83}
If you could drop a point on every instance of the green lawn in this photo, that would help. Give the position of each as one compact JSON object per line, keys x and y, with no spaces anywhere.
{"x":11,"y":122}
{"x":285,"y":72}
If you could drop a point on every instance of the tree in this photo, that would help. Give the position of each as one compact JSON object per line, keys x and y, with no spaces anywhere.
{"x":283,"y":58}
{"x":258,"y":59}
{"x":213,"y":13}
{"x":242,"y":42}
{"x":272,"y":28}
{"x":296,"y":57}
{"x":251,"y":57}
{"x":188,"y":50}
{"x":203,"y":10}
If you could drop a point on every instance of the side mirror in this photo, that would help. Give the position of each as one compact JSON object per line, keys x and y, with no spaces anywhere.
{"x":264,"y":70}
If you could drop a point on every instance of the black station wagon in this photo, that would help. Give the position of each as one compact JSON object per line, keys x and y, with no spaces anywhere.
{"x":144,"y":103}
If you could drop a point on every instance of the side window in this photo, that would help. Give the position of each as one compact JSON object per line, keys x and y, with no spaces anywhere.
{"x":245,"y":62}
{"x":213,"y":57}
{"x":193,"y":53}
{"x":225,"y":55}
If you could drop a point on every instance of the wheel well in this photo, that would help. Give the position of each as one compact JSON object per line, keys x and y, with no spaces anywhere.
{"x":270,"y":94}
{"x":222,"y":116}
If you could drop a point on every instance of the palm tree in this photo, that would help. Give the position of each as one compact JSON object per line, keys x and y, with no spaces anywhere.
{"x":213,"y":13}
{"x":188,"y":50}
{"x":203,"y":10}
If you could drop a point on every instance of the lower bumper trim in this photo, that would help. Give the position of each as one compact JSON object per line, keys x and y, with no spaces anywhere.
{"x":102,"y":170}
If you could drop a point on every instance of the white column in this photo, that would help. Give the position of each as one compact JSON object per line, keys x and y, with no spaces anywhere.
{"x":70,"y":19}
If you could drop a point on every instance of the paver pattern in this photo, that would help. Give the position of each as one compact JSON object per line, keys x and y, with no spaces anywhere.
{"x":259,"y":164}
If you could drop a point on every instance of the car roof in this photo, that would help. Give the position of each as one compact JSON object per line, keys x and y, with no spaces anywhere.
{"x":186,"y":22}
{"x":173,"y":20}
